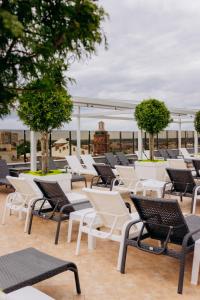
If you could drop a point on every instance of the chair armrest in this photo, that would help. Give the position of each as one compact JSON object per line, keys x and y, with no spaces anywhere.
{"x":73,"y":204}
{"x":129,"y":227}
{"x":34,"y":203}
{"x":93,"y":179}
{"x":164,"y":187}
{"x":188,"y":236}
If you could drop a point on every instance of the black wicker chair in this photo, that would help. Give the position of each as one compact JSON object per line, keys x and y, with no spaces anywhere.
{"x":105,"y":176}
{"x":4,"y":171}
{"x":182,"y":184}
{"x":123,"y":159}
{"x":163,"y":221}
{"x":59,"y":207}
{"x":196,"y":164}
{"x":30,"y":266}
{"x":164,"y":154}
{"x":173,"y":153}
{"x":111,"y":159}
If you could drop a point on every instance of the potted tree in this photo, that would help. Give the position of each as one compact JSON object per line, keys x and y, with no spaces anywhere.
{"x":45,"y":105}
{"x":197,"y":127}
{"x":152,"y":116}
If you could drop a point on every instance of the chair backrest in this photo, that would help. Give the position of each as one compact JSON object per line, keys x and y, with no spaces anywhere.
{"x":158,"y":215}
{"x":23,"y":187}
{"x":163,"y":153}
{"x":4,"y":171}
{"x":53,"y":193}
{"x":127,"y":175}
{"x":108,"y":205}
{"x":111,"y":159}
{"x":105,"y":172}
{"x":122,"y":159}
{"x":88,"y":161}
{"x":173,"y":153}
{"x":196,"y":164}
{"x":182,"y":180}
{"x":184,"y":152}
{"x":176,"y":163}
{"x":74,"y":163}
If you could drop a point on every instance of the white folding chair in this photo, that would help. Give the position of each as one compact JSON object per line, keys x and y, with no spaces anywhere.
{"x":76,"y":166}
{"x":112,"y":214}
{"x":21,"y":200}
{"x":185,"y":153}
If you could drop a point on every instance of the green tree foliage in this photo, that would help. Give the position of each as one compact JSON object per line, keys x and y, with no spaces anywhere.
{"x":197,"y":122}
{"x":35,"y":35}
{"x":43,"y":106}
{"x":152,"y":116}
{"x":23,"y":148}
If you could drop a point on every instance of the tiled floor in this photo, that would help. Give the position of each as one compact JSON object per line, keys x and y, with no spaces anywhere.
{"x":148,"y":277}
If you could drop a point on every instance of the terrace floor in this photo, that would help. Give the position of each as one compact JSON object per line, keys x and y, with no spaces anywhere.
{"x":148,"y":277}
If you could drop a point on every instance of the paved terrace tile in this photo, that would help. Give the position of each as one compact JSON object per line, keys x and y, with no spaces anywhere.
{"x":148,"y":277}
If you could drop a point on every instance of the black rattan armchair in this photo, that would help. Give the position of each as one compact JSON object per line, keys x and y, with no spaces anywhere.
{"x":111,"y":159}
{"x":59,"y":207}
{"x":123,"y":159}
{"x":105,"y":176}
{"x":4,"y":171}
{"x":163,"y":221}
{"x":182,"y":184}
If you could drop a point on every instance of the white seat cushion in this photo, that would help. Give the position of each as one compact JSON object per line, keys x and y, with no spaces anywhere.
{"x":29,"y":293}
{"x":76,"y":197}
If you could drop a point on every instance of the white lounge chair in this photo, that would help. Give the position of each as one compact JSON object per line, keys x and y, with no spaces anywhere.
{"x":176,"y":163}
{"x":88,"y":161}
{"x":185,"y":153}
{"x":128,"y":181}
{"x":76,"y":166}
{"x":21,"y":200}
{"x":110,"y":213}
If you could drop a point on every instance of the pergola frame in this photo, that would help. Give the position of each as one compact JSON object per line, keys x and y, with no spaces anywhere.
{"x":116,"y":110}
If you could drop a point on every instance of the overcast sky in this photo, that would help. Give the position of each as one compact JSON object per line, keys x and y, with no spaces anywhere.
{"x":154,"y":51}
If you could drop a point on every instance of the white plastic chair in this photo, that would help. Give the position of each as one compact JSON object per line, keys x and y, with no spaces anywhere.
{"x":185,"y":153}
{"x":88,"y":161}
{"x":176,"y":163}
{"x":21,"y":200}
{"x":127,"y":180}
{"x":110,"y":213}
{"x":76,"y":166}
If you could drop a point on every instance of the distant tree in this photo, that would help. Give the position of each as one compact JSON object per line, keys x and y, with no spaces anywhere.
{"x":152,"y":116}
{"x":23,"y":148}
{"x":35,"y":35}
{"x":43,"y":106}
{"x":197,"y":121}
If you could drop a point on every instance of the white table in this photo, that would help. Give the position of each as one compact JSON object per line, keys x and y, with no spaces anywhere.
{"x":27,"y":293}
{"x":196,"y":263}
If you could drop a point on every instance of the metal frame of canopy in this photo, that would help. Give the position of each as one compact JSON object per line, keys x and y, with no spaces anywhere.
{"x":93,"y":108}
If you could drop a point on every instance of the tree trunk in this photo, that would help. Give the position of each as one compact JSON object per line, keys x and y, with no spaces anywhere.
{"x":151,"y":146}
{"x":44,"y":148}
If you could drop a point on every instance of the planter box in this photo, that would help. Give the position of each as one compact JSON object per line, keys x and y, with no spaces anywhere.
{"x":64,"y":180}
{"x":151,"y":170}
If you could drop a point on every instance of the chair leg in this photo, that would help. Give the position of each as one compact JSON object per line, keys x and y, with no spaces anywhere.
{"x":30,"y":223}
{"x":181,"y":273}
{"x":4,"y":215}
{"x":193,"y":205}
{"x":57,"y":232}
{"x":69,"y":234}
{"x":78,"y":244}
{"x":123,"y":260}
{"x":27,"y":220}
{"x":85,"y":181}
{"x":76,"y":276}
